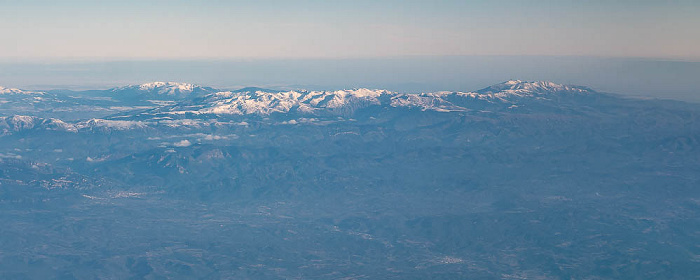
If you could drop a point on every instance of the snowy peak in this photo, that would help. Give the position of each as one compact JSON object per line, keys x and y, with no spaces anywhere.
{"x":202,"y":106}
{"x":167,"y":87}
{"x":164,"y":88}
{"x":256,"y":101}
{"x":20,"y":123}
{"x":4,"y":90}
{"x":522,"y":88}
{"x":264,"y":103}
{"x":107,"y":125}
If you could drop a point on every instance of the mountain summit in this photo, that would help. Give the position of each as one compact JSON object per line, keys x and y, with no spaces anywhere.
{"x":522,"y":88}
{"x":345,"y":102}
{"x":168,"y":99}
{"x":163,"y":89}
{"x":528,"y":180}
{"x":4,"y":90}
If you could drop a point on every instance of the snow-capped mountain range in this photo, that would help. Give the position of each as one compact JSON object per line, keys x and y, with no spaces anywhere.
{"x":346,"y":182}
{"x":525,"y":89}
{"x":171,"y":103}
{"x":168,"y":89}
{"x":266,"y":102}
{"x":4,"y":90}
{"x":19,"y":123}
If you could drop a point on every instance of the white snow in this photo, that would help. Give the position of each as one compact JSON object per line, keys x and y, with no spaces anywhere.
{"x":162,"y":88}
{"x":529,"y":89}
{"x":347,"y":101}
{"x":307,"y":106}
{"x":112,"y":124}
{"x":4,"y":90}
{"x":182,"y":143}
{"x":266,"y":103}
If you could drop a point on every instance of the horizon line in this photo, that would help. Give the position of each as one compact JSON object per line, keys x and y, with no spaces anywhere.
{"x":339,"y":58}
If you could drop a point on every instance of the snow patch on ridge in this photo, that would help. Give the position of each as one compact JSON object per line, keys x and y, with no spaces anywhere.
{"x":4,"y":90}
{"x":266,"y":103}
{"x":299,"y":106}
{"x":528,"y":89}
{"x":111,"y":124}
{"x":345,"y":102}
{"x":163,"y":88}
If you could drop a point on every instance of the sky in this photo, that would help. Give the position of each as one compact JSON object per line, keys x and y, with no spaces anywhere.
{"x":267,"y":29}
{"x":632,"y":76}
{"x":641,"y":48}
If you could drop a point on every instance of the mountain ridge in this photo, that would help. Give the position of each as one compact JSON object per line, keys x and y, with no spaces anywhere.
{"x":198,"y":102}
{"x":261,"y":102}
{"x":4,"y":90}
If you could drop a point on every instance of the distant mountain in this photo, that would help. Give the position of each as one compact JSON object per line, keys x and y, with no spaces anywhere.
{"x":169,"y":103}
{"x":161,"y":90}
{"x":19,"y":123}
{"x":261,"y":102}
{"x":61,"y":104}
{"x":20,"y":172}
{"x":520,"y":180}
{"x":522,"y":89}
{"x":80,"y":105}
{"x":9,"y":91}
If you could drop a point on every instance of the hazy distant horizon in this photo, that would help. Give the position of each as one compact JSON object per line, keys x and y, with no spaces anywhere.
{"x":643,"y":48}
{"x":660,"y":78}
{"x":333,"y":29}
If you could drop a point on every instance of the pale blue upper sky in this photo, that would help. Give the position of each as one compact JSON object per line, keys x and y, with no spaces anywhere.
{"x":176,"y":29}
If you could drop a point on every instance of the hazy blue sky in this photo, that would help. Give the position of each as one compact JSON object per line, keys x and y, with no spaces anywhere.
{"x":176,"y":29}
{"x":641,"y":77}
